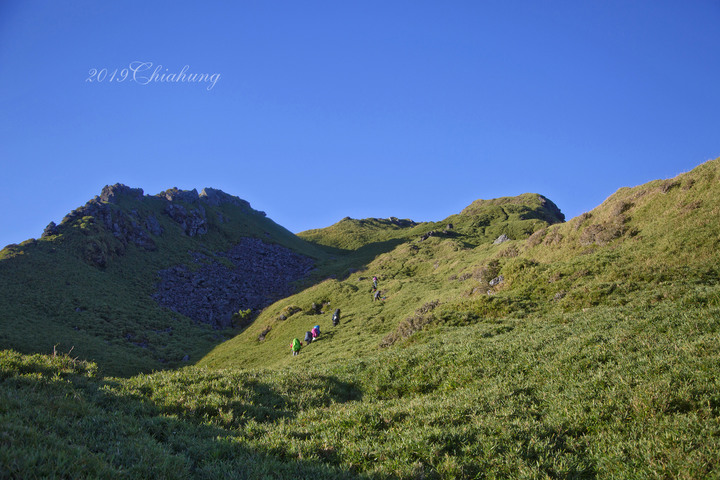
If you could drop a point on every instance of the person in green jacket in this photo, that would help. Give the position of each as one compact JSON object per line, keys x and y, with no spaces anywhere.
{"x":296,"y":346}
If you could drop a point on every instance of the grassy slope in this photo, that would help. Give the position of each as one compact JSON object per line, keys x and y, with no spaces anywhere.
{"x":51,"y":296}
{"x":596,"y":358}
{"x":615,"y":392}
{"x":412,"y":274}
{"x":352,"y":234}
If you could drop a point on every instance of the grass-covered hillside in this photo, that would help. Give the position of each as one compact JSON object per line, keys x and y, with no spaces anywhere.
{"x":86,"y":285}
{"x":507,"y":343}
{"x":642,"y":245}
{"x":612,"y":392}
{"x":418,"y":272}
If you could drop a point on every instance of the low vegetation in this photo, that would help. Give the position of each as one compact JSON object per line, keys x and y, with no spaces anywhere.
{"x":615,"y":392}
{"x":583,"y":349}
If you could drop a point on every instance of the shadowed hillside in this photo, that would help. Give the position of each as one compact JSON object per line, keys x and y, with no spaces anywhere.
{"x":137,"y":282}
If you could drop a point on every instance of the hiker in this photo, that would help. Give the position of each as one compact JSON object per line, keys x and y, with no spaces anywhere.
{"x":308,"y":338}
{"x":374,"y":283}
{"x":376,"y":296}
{"x":315,"y":331}
{"x":336,"y":317}
{"x":296,"y":345}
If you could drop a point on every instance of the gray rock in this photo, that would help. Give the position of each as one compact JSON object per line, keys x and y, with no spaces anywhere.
{"x":111,"y":193}
{"x":193,"y":221}
{"x":176,"y":195}
{"x":497,"y":280}
{"x":501,"y":239}
{"x":217,"y":197}
{"x":261,"y":273}
{"x":153,"y":226}
{"x":51,"y":229}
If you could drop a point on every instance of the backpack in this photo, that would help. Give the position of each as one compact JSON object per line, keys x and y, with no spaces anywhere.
{"x":336,"y":318}
{"x":308,"y":337}
{"x":315,"y":331}
{"x":296,"y":345}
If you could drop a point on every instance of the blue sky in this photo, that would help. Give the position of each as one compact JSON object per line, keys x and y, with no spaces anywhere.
{"x":327,"y":109}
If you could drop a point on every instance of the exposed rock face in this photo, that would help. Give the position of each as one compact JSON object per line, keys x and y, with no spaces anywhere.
{"x":405,"y":222}
{"x":153,"y":226}
{"x":185,"y":207}
{"x":192,"y":220}
{"x":497,"y":281}
{"x":125,"y":227}
{"x":215,"y":197}
{"x":429,"y":234}
{"x":51,"y":229}
{"x":250,"y":275}
{"x":501,"y":239}
{"x":111,"y":193}
{"x":261,"y":273}
{"x":175,"y":195}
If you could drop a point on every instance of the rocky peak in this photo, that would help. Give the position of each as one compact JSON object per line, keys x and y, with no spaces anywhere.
{"x":111,"y":193}
{"x":174,"y":195}
{"x":218,"y":197}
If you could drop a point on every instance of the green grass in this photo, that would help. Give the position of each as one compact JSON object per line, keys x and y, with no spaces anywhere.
{"x":53,"y":295}
{"x":596,"y":356}
{"x":614,"y":392}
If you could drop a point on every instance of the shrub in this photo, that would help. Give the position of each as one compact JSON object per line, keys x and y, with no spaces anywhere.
{"x":487,"y":272}
{"x":581,"y":219}
{"x":535,"y":239}
{"x":410,"y":325}
{"x":668,"y":185}
{"x":242,"y":319}
{"x":510,"y":252}
{"x":553,"y":238}
{"x":602,"y":234}
{"x":621,"y":208}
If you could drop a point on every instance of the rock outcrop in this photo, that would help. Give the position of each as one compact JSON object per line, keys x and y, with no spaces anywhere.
{"x":51,"y":229}
{"x":119,"y":210}
{"x":216,"y":198}
{"x":211,"y":287}
{"x":261,"y":273}
{"x":126,"y":227}
{"x":193,"y":221}
{"x":501,"y":239}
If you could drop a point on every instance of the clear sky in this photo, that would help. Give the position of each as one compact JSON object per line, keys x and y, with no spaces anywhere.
{"x":324,"y":109}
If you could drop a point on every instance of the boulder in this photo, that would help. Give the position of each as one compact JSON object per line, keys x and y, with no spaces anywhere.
{"x":497,"y":281}
{"x":501,"y":239}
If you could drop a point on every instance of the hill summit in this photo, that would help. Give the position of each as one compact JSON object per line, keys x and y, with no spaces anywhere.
{"x":140,"y":282}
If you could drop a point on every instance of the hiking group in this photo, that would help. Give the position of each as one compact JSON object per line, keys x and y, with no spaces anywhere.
{"x":376,"y":293}
{"x":314,"y":333}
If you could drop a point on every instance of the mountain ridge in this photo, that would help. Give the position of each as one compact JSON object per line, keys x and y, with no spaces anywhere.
{"x":501,"y":346}
{"x":637,"y":240}
{"x":155,"y":264}
{"x":142,"y":271}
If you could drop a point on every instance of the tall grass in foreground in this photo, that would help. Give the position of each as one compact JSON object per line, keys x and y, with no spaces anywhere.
{"x":613,"y":392}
